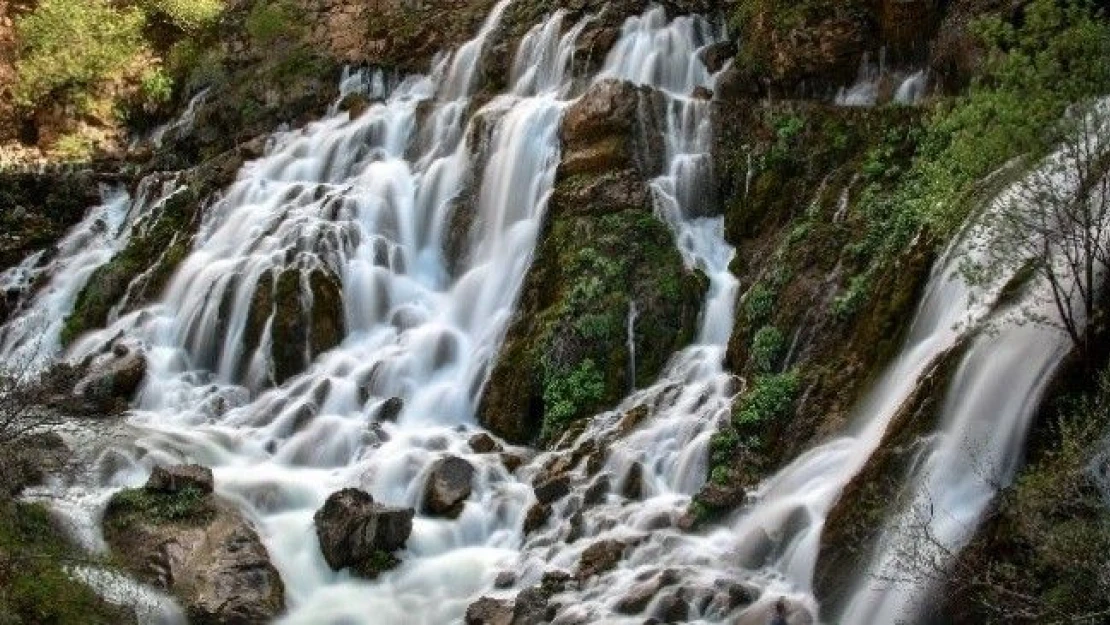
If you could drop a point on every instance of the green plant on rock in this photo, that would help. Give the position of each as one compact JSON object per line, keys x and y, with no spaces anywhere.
{"x":567,"y":393}
{"x":767,"y":348}
{"x":770,"y":399}
{"x":759,"y":303}
{"x":189,"y":505}
{"x":269,"y":23}
{"x":188,"y":15}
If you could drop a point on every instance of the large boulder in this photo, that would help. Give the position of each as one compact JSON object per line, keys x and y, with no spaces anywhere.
{"x":196,"y":546}
{"x":447,"y":486}
{"x":358,"y":533}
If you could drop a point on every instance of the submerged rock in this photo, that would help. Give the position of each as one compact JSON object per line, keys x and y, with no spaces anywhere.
{"x":183,"y":539}
{"x":448,"y":486}
{"x":358,"y":533}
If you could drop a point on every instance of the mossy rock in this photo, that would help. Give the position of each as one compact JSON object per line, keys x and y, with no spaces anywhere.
{"x":565,"y":355}
{"x":307,"y":318}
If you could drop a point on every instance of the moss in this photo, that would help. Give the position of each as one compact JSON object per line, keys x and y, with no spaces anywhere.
{"x":108,"y":284}
{"x":35,"y":586}
{"x":189,"y":506}
{"x":566,"y":355}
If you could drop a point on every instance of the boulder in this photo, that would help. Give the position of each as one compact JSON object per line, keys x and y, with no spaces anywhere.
{"x":447,"y":487}
{"x":179,"y":477}
{"x":536,"y":516}
{"x":111,"y":379}
{"x":600,"y":557}
{"x":391,"y":409}
{"x":552,"y":489}
{"x":489,"y":611}
{"x":632,"y":487}
{"x":356,"y":532}
{"x":200,"y":549}
{"x":483,"y":443}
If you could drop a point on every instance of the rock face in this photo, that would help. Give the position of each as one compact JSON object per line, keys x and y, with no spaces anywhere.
{"x":358,"y":533}
{"x":183,"y":539}
{"x":447,"y":487}
{"x":602,"y":250}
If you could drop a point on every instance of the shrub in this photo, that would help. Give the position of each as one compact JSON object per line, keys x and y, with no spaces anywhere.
{"x":68,"y":47}
{"x":759,"y":303}
{"x":770,"y":399}
{"x":269,"y":23}
{"x":188,"y":15}
{"x":566,"y":394}
{"x":767,"y":348}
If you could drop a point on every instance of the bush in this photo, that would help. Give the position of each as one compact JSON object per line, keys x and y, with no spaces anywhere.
{"x":767,"y":347}
{"x":566,"y":394}
{"x":188,"y":15}
{"x":770,"y":399}
{"x":270,"y":23}
{"x":68,"y":47}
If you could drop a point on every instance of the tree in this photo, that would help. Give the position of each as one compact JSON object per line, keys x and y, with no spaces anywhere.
{"x":1053,"y":225}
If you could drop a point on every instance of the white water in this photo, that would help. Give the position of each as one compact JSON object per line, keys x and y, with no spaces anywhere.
{"x":867,"y":89}
{"x":48,"y":286}
{"x":984,"y":419}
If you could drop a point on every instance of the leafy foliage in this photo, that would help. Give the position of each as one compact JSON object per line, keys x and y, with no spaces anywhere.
{"x":188,"y":15}
{"x":188,"y":505}
{"x":771,"y":398}
{"x":67,"y":47}
{"x":767,"y":347}
{"x":567,"y":393}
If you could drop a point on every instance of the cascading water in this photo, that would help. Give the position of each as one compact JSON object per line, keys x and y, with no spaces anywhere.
{"x":984,"y":419}
{"x":47,"y":287}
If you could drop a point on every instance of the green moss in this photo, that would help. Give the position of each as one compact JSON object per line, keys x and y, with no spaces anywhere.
{"x":166,"y":232}
{"x":35,"y":586}
{"x":137,"y":505}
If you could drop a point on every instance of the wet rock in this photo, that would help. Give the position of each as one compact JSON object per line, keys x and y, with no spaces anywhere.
{"x":600,"y":557}
{"x":199,"y":548}
{"x":489,"y":611}
{"x":448,"y":486}
{"x":714,"y":56}
{"x":633,"y":485}
{"x":357,"y":532}
{"x":536,"y":516}
{"x":552,"y":489}
{"x":179,"y":477}
{"x":631,"y":419}
{"x":608,"y":108}
{"x":504,"y":579}
{"x":671,"y":608}
{"x":596,"y":492}
{"x":391,"y":409}
{"x":483,"y":443}
{"x":730,"y":595}
{"x":355,"y":104}
{"x":112,"y":379}
{"x":721,"y":496}
{"x":531,"y":607}
{"x":512,"y":461}
{"x":640,"y":595}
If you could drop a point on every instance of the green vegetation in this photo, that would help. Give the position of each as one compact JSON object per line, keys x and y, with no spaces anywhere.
{"x":1043,"y":558}
{"x":35,"y":586}
{"x":109,"y":39}
{"x":1031,"y":73}
{"x":270,"y":23}
{"x":767,"y":349}
{"x":770,"y":399}
{"x":189,"y":505}
{"x":187,"y":15}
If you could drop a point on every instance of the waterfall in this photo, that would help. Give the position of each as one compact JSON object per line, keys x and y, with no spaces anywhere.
{"x":46,"y":286}
{"x":984,"y":418}
{"x":630,"y":341}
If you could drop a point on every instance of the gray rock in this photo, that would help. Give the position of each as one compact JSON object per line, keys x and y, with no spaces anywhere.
{"x":448,"y":486}
{"x":483,"y":443}
{"x":356,"y":532}
{"x":178,"y":477}
{"x":552,"y":489}
{"x":600,"y":557}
